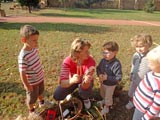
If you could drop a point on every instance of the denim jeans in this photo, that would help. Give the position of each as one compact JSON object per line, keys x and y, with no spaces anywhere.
{"x":61,"y":93}
{"x":137,"y":114}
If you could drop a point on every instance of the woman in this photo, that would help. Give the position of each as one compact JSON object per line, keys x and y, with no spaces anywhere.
{"x":77,"y":72}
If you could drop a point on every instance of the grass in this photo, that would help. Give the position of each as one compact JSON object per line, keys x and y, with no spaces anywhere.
{"x":54,"y":44}
{"x":86,"y":13}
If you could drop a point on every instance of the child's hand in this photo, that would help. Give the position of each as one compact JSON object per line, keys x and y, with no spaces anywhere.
{"x":29,"y":88}
{"x":75,"y":79}
{"x":102,"y":77}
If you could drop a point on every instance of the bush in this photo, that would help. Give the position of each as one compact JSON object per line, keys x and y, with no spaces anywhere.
{"x":33,"y":3}
{"x":149,"y":6}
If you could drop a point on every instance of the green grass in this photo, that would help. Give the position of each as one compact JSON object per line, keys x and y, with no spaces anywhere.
{"x":54,"y":44}
{"x":86,"y":13}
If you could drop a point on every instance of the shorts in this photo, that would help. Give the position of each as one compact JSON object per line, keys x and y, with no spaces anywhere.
{"x":33,"y":95}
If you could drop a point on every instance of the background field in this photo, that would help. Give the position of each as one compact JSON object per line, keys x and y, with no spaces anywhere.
{"x":54,"y":44}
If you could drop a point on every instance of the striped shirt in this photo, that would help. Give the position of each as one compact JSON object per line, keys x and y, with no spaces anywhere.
{"x":69,"y":67}
{"x":29,"y":62}
{"x":147,"y":96}
{"x":139,"y":67}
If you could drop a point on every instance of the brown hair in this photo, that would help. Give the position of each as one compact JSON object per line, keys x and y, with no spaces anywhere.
{"x":28,"y":30}
{"x":111,"y":46}
{"x":77,"y":46}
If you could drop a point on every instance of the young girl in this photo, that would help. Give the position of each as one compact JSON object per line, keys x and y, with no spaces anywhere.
{"x":141,"y":43}
{"x":147,"y":94}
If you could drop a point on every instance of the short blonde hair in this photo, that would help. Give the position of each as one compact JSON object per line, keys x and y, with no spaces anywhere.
{"x":28,"y":30}
{"x":144,"y":39}
{"x":77,"y":46}
{"x":154,"y":55}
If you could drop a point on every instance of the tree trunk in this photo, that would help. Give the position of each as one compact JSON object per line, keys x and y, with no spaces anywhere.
{"x":2,"y":13}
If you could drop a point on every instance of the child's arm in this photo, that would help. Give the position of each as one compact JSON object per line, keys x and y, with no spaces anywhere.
{"x":154,"y":108}
{"x":25,"y":82}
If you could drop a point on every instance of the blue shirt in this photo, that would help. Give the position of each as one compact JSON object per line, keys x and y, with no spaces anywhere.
{"x":112,"y":68}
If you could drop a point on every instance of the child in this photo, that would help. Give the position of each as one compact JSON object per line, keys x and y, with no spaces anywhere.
{"x":30,"y":68}
{"x":109,"y":72}
{"x":147,"y":95}
{"x":141,"y":43}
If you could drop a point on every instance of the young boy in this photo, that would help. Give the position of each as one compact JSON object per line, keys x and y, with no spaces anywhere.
{"x":109,"y":72}
{"x":141,"y":43}
{"x":147,"y":95}
{"x":30,"y":68}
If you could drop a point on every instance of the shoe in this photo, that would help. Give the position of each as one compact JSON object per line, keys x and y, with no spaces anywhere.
{"x":105,"y":110}
{"x":101,"y":103}
{"x":33,"y":116}
{"x":87,"y":103}
{"x":130,"y":105}
{"x":45,"y":104}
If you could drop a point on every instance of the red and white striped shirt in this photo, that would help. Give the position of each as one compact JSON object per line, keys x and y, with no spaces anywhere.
{"x":147,"y":96}
{"x":29,"y":62}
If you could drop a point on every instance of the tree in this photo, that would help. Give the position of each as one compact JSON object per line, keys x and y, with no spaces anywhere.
{"x":149,"y":6}
{"x":29,"y":3}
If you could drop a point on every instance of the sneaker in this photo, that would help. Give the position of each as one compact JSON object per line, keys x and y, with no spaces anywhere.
{"x":105,"y":110}
{"x":87,"y":103}
{"x":33,"y":116}
{"x":130,"y":105}
{"x":45,"y":104}
{"x":101,"y":103}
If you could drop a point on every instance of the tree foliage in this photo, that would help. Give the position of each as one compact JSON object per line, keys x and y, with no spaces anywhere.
{"x":29,"y":3}
{"x":149,"y":6}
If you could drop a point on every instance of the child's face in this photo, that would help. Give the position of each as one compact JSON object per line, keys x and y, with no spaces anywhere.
{"x":141,"y":48}
{"x":108,"y":55}
{"x":155,"y":67}
{"x":32,"y":42}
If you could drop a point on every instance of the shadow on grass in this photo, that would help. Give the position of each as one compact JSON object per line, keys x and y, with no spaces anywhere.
{"x":11,"y":87}
{"x":64,"y":15}
{"x":58,"y":27}
{"x":86,"y":11}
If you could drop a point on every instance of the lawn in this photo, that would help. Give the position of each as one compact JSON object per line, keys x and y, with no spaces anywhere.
{"x":86,"y":13}
{"x":54,"y":44}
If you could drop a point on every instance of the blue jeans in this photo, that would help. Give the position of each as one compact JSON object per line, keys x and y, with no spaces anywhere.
{"x":61,"y":93}
{"x":137,"y":114}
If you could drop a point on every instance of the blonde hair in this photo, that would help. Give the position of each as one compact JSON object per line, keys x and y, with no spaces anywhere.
{"x":144,"y":39}
{"x":77,"y":46}
{"x":27,"y":30}
{"x":154,"y":55}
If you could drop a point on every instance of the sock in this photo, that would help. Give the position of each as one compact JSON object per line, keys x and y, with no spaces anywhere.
{"x":42,"y":102}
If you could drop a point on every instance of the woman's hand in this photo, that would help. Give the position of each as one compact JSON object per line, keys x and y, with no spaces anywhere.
{"x":75,"y":79}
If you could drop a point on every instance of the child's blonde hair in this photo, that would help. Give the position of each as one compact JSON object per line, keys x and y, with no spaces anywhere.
{"x":154,"y":55}
{"x":77,"y":46}
{"x":27,"y":30}
{"x":143,"y":39}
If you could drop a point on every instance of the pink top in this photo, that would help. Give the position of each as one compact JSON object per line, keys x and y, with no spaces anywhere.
{"x":69,"y":67}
